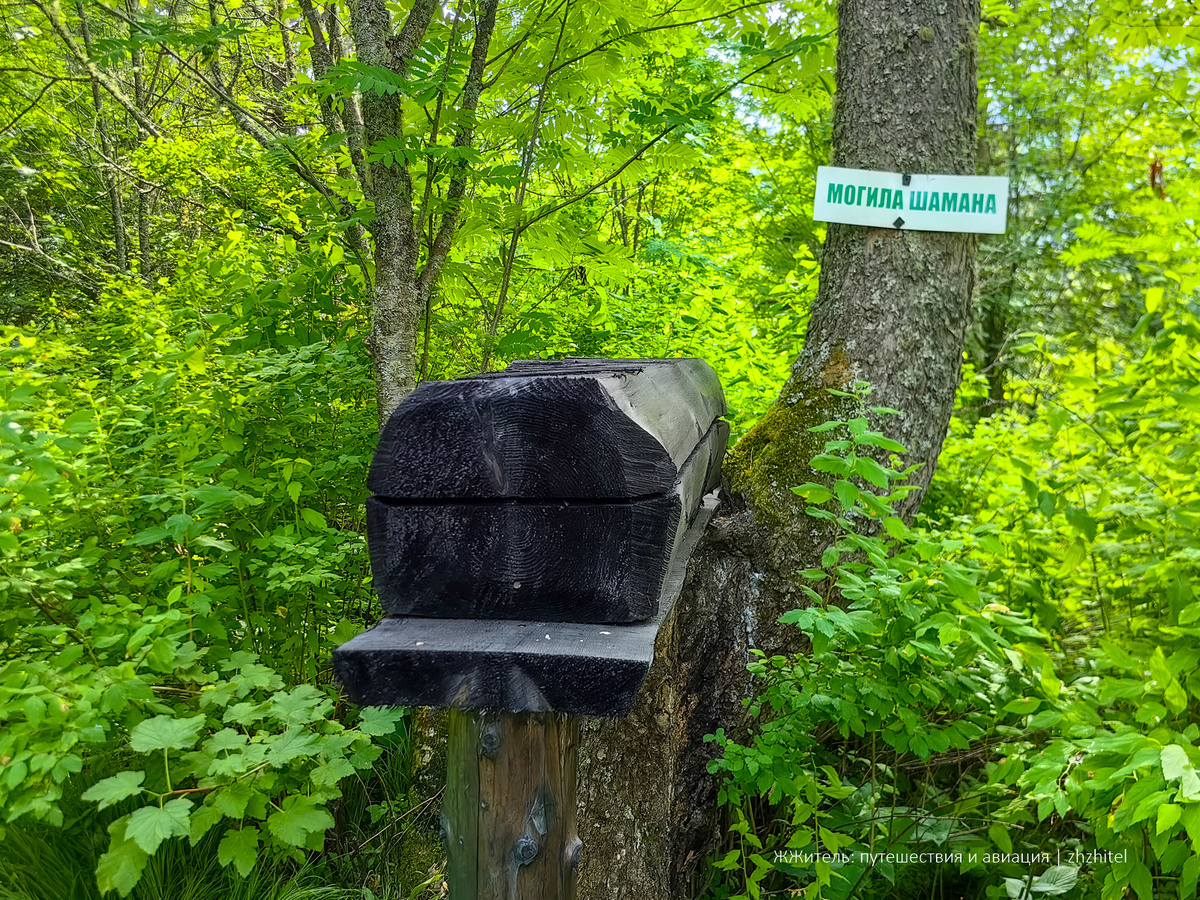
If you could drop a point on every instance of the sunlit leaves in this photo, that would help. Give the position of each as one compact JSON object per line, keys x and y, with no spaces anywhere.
{"x":165,"y":733}
{"x":151,"y":825}
{"x":115,"y":789}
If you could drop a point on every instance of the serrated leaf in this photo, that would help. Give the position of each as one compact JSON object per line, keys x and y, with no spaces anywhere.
{"x":202,"y":821}
{"x":151,"y":825}
{"x":1168,"y":817}
{"x":115,"y":789}
{"x":165,"y":733}
{"x":299,"y":706}
{"x":240,"y":848}
{"x":120,"y":867}
{"x":293,"y":743}
{"x":871,"y":472}
{"x":233,"y":798}
{"x":380,"y":720}
{"x":1188,"y":876}
{"x":332,"y":772}
{"x":299,"y":817}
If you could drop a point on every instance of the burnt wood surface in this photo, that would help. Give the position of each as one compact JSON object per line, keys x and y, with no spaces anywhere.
{"x":567,"y":429}
{"x":563,"y":560}
{"x":512,"y":666}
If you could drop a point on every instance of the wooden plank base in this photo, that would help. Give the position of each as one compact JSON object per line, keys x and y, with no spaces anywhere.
{"x":512,"y":666}
{"x":509,"y":817}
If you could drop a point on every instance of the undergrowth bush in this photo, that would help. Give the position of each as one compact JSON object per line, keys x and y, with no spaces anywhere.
{"x":181,"y":493}
{"x":1013,"y":684}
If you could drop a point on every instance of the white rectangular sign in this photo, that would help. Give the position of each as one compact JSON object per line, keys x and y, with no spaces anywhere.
{"x":973,"y":203}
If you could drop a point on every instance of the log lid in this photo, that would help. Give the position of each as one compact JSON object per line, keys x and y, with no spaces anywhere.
{"x":579,"y":428}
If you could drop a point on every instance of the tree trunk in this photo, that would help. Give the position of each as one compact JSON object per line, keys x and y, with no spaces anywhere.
{"x":108,"y":164}
{"x":891,"y":310}
{"x":143,"y":188}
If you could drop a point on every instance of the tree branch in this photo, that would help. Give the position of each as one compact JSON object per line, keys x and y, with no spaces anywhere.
{"x":485,"y":24}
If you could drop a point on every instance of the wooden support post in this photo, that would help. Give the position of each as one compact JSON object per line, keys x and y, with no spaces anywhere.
{"x":509,"y":814}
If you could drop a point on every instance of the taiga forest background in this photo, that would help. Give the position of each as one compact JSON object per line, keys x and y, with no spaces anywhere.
{"x":191,"y":199}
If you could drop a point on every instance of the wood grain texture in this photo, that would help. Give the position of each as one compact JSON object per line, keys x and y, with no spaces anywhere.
{"x":560,"y":561}
{"x":510,"y":808}
{"x":563,"y":430}
{"x":511,"y":666}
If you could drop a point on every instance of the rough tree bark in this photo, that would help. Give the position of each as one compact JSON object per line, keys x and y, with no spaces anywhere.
{"x":891,"y":310}
{"x":402,"y":287}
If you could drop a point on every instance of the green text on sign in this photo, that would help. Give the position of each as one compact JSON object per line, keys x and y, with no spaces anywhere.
{"x":965,"y":203}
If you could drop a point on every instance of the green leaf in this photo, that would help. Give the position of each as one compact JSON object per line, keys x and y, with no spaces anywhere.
{"x":1078,"y":518}
{"x":79,"y":422}
{"x":233,"y":798}
{"x":1118,"y":657}
{"x":346,"y":630}
{"x":121,"y":866}
{"x":151,"y":825}
{"x":1142,"y":881}
{"x":240,"y":848}
{"x":871,"y":472}
{"x":1056,"y":880}
{"x":1023,"y":706}
{"x":299,"y":706}
{"x":299,"y":817}
{"x":1050,"y":684}
{"x":1174,"y":761}
{"x":313,"y":518}
{"x":1188,"y":877}
{"x":203,"y":819}
{"x":813,"y":493}
{"x":293,"y":743}
{"x":999,"y":836}
{"x":115,"y":789}
{"x":1168,"y":817}
{"x":380,"y":720}
{"x":1177,"y":765}
{"x":1075,"y":554}
{"x":846,"y":492}
{"x":1175,"y":697}
{"x":165,"y":733}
